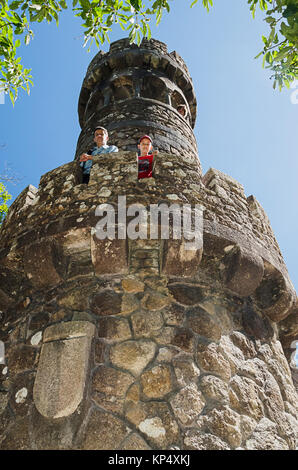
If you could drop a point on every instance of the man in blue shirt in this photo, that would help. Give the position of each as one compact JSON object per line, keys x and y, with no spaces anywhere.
{"x":101,"y":137}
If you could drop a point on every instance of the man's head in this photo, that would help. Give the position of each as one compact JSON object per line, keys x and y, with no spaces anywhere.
{"x":182,"y":110}
{"x":101,"y":136}
{"x":145,"y":145}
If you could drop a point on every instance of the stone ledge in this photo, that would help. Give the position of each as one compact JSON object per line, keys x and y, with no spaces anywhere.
{"x":214,"y":176}
{"x":68,"y":330}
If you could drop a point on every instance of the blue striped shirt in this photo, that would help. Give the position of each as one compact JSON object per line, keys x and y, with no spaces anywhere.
{"x":97,"y":151}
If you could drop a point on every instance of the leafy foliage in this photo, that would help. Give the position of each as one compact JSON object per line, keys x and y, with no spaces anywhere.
{"x":280,"y":51}
{"x":133,"y":16}
{"x":4,"y":197}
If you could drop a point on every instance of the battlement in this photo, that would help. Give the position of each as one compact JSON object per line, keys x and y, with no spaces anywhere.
{"x":237,"y":231}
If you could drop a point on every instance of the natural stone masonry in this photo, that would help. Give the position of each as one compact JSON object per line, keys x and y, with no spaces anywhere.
{"x":142,"y":344}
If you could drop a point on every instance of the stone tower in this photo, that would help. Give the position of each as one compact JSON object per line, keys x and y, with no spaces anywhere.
{"x":142,"y":343}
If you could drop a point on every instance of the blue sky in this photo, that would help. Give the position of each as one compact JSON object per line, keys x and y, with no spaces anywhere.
{"x":244,"y":128}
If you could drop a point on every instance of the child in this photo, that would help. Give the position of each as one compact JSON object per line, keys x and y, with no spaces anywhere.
{"x":145,"y":158}
{"x":182,"y":110}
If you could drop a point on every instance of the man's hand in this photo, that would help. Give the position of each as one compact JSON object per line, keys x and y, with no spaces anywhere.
{"x":84,"y":157}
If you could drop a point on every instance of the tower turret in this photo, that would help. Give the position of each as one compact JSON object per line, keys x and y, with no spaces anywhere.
{"x":134,"y":91}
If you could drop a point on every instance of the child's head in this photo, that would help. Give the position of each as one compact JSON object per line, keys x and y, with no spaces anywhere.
{"x":182,"y":110}
{"x":145,"y":145}
{"x":101,"y":136}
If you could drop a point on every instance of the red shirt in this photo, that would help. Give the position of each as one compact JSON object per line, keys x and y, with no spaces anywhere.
{"x":145,"y":166}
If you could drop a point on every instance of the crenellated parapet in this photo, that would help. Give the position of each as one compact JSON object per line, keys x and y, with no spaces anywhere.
{"x":240,"y":252}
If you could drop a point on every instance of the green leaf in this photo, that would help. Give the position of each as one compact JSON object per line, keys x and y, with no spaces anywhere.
{"x":12,"y":97}
{"x":137,"y":4}
{"x":257,"y":56}
{"x":15,"y":5}
{"x":85,"y":4}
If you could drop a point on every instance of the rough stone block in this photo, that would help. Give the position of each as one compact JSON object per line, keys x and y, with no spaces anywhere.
{"x":198,"y":440}
{"x":62,"y":369}
{"x":265,"y":437}
{"x":155,"y":421}
{"x":244,"y":397}
{"x":110,"y":387}
{"x":275,"y":295}
{"x":244,"y":271}
{"x":68,"y":330}
{"x":185,"y":294}
{"x":146,"y":324}
{"x":187,"y":404}
{"x":135,"y":442}
{"x":107,"y":302}
{"x":210,"y":359}
{"x":103,"y":431}
{"x":157,"y":382}
{"x":178,"y":261}
{"x":133,"y":356}
{"x":203,"y":324}
{"x":109,"y":256}
{"x":114,"y":329}
{"x":186,"y":371}
{"x":214,"y":176}
{"x":225,"y":423}
{"x":41,"y":261}
{"x":76,"y":245}
{"x":255,"y":325}
{"x":132,"y":285}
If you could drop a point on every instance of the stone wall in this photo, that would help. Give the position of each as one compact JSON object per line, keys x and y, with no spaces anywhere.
{"x":172,"y":365}
{"x":140,"y":344}
{"x":129,"y":120}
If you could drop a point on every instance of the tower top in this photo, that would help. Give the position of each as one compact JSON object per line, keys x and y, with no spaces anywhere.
{"x":134,"y":90}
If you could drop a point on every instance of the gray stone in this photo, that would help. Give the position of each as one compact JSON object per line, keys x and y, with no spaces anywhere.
{"x":133,"y":356}
{"x":62,"y":369}
{"x":197,"y":440}
{"x":265,"y":437}
{"x":187,"y":404}
{"x":103,"y":431}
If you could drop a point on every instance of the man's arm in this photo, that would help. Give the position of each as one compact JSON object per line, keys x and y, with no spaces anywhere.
{"x":84,"y":157}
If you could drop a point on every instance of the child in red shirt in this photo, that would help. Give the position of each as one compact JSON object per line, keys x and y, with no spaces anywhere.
{"x":145,"y":159}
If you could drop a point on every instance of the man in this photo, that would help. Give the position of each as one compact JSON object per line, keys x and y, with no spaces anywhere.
{"x":101,"y":137}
